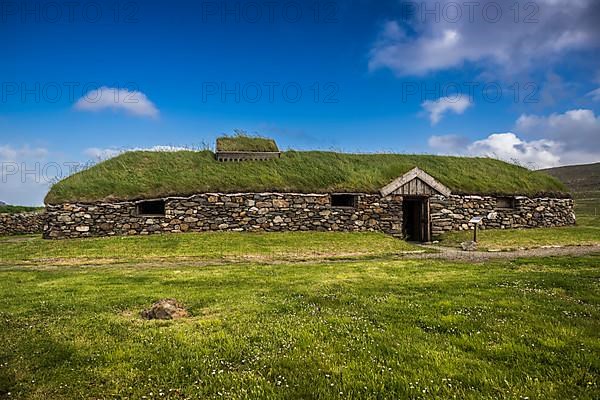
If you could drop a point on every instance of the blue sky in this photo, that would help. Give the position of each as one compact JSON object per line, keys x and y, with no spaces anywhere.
{"x":85,"y":80}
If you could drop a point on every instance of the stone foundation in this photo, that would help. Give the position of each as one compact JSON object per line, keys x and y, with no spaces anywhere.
{"x":268,"y":212}
{"x":22,"y":224}
{"x":454,"y":212}
{"x":272,"y":212}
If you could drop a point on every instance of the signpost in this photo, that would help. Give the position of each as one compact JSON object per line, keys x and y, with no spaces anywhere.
{"x":476,"y":221}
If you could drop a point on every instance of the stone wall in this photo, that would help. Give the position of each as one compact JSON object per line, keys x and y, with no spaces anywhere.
{"x":21,"y":224}
{"x":454,"y":212}
{"x":297,"y":212}
{"x":227,"y":212}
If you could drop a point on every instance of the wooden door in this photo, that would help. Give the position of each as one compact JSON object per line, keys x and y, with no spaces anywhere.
{"x":416,"y":224}
{"x":424,"y":221}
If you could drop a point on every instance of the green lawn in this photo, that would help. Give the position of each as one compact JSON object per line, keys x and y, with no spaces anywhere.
{"x":367,"y":326}
{"x":514,"y":239}
{"x":205,"y":246}
{"x":586,"y":232}
{"x":359,"y":330}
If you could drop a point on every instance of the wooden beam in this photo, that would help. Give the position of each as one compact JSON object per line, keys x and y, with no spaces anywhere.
{"x":410,"y":176}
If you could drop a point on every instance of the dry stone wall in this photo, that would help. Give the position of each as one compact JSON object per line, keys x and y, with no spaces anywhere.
{"x":21,"y":224}
{"x":273,"y":212}
{"x":227,"y":212}
{"x":454,"y":212}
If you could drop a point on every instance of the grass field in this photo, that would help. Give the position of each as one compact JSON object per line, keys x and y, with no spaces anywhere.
{"x":361,"y":330}
{"x":585,"y":233}
{"x":231,"y":246}
{"x":298,"y":316}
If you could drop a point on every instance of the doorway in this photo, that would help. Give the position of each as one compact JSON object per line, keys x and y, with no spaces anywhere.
{"x":416,"y":225}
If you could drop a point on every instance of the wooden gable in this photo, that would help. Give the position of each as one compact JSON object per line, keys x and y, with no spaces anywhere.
{"x":415,"y":182}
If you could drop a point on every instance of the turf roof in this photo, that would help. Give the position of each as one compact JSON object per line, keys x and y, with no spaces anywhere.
{"x":246,"y":143}
{"x":143,"y":174}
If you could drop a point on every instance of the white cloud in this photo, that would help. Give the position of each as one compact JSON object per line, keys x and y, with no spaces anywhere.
{"x":7,"y":153}
{"x":577,"y":129}
{"x":503,"y":146}
{"x":101,"y":154}
{"x":421,"y":45}
{"x":448,"y":143}
{"x":394,"y":51}
{"x":10,"y":153}
{"x":437,"y":108}
{"x":132,"y":102}
{"x":104,"y":154}
{"x":594,"y":94}
{"x":569,"y":138}
{"x":24,"y":174}
{"x":508,"y":147}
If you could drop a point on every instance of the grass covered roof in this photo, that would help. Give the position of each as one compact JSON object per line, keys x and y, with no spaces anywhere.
{"x":143,"y":174}
{"x":246,"y":143}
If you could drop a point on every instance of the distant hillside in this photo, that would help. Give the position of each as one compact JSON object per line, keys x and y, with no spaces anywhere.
{"x":6,"y":209}
{"x":578,"y":178}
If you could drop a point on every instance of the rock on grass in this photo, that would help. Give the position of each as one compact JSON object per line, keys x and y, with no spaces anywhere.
{"x":165,"y":309}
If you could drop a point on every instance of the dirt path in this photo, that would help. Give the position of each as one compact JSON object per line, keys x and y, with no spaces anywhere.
{"x":436,"y":252}
{"x":450,"y":253}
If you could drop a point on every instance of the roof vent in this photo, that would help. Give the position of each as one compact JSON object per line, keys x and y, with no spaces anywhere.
{"x":242,"y":147}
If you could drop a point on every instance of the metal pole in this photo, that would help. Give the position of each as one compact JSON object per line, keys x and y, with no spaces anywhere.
{"x":475,"y":234}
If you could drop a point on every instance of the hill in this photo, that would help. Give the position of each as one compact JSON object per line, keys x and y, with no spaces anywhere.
{"x":143,"y":174}
{"x":7,"y":209}
{"x":578,"y":178}
{"x":584,"y":182}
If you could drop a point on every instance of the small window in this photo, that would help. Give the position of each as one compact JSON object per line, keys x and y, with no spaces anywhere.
{"x":505,"y":202}
{"x":155,"y":208}
{"x":344,"y":200}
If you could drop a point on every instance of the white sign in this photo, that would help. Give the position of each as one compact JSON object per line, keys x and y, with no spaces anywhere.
{"x":476,"y":220}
